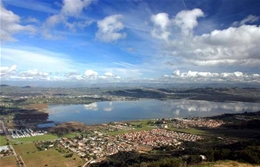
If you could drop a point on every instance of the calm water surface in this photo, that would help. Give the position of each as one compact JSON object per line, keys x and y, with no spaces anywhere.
{"x":104,"y":112}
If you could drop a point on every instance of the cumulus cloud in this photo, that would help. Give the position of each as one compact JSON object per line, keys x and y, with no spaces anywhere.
{"x":90,"y":74}
{"x":198,"y":76}
{"x":93,"y":75}
{"x":109,"y":75}
{"x":162,"y":24}
{"x":164,"y":27}
{"x":187,"y":20}
{"x":234,"y":47}
{"x":74,"y":8}
{"x":70,"y":9}
{"x":6,"y":72}
{"x":246,"y":34}
{"x":73,"y":76}
{"x":10,"y":25}
{"x":109,"y":28}
{"x":34,"y":74}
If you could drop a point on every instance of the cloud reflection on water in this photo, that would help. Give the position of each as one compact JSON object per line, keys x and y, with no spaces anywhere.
{"x":103,"y":112}
{"x":208,"y":106}
{"x":91,"y":106}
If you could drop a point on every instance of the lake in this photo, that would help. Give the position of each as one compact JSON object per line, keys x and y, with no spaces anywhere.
{"x":116,"y":111}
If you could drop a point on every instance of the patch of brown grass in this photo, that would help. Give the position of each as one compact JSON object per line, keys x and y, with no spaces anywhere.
{"x":227,"y":164}
{"x":40,"y":106}
{"x":51,"y":158}
{"x":8,"y":162}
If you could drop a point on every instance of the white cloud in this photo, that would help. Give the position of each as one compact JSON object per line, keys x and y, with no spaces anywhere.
{"x":93,"y":75}
{"x":162,"y":23}
{"x":197,"y":76}
{"x":90,"y":74}
{"x":246,"y":34}
{"x":70,"y":9}
{"x":53,"y":20}
{"x":10,"y":25}
{"x":109,"y":28}
{"x":234,"y":47}
{"x":249,"y":19}
{"x":109,"y":76}
{"x":187,"y":20}
{"x":74,"y":8}
{"x":34,"y":74}
{"x":32,"y":20}
{"x":73,"y":76}
{"x":6,"y":72}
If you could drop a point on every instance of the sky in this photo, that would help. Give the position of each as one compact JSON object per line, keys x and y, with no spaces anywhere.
{"x":173,"y":41}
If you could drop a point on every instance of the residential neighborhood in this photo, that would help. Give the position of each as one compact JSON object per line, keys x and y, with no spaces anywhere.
{"x":100,"y":145}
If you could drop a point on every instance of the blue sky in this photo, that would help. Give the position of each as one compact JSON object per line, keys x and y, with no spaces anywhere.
{"x":130,"y":40}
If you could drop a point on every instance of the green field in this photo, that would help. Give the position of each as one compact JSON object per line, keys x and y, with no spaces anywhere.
{"x":25,"y":148}
{"x":190,"y":130}
{"x":141,"y":122}
{"x":131,"y":130}
{"x":71,"y":135}
{"x":35,"y":138}
{"x":8,"y":162}
{"x":2,"y":140}
{"x":51,"y":158}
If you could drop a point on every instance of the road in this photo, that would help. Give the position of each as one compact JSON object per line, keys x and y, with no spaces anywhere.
{"x":4,"y":128}
{"x":10,"y":145}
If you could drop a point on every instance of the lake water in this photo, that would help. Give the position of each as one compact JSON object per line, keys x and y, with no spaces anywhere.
{"x":104,"y":112}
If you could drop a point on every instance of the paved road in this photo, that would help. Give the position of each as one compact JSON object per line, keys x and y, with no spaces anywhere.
{"x":4,"y":128}
{"x":8,"y":137}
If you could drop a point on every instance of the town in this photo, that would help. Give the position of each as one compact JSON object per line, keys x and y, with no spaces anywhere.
{"x":96,"y":147}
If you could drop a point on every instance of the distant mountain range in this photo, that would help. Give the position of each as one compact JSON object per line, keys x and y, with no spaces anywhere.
{"x":28,"y":84}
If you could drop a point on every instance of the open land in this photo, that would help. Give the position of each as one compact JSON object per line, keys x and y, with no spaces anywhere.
{"x":133,"y":143}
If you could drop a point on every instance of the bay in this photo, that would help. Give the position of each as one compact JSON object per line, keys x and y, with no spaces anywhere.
{"x":116,"y":111}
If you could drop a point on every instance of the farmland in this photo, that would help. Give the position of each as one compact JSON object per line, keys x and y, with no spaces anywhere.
{"x":50,"y":158}
{"x":2,"y":140}
{"x":8,"y":162}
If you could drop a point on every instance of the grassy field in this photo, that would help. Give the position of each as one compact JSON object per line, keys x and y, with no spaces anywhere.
{"x":131,"y":130}
{"x":51,"y":158}
{"x":190,"y":130}
{"x":71,"y":135}
{"x":35,"y":138}
{"x":2,"y":140}
{"x":142,"y":122}
{"x":8,"y":162}
{"x":236,"y":133}
{"x":225,"y":164}
{"x":25,"y":148}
